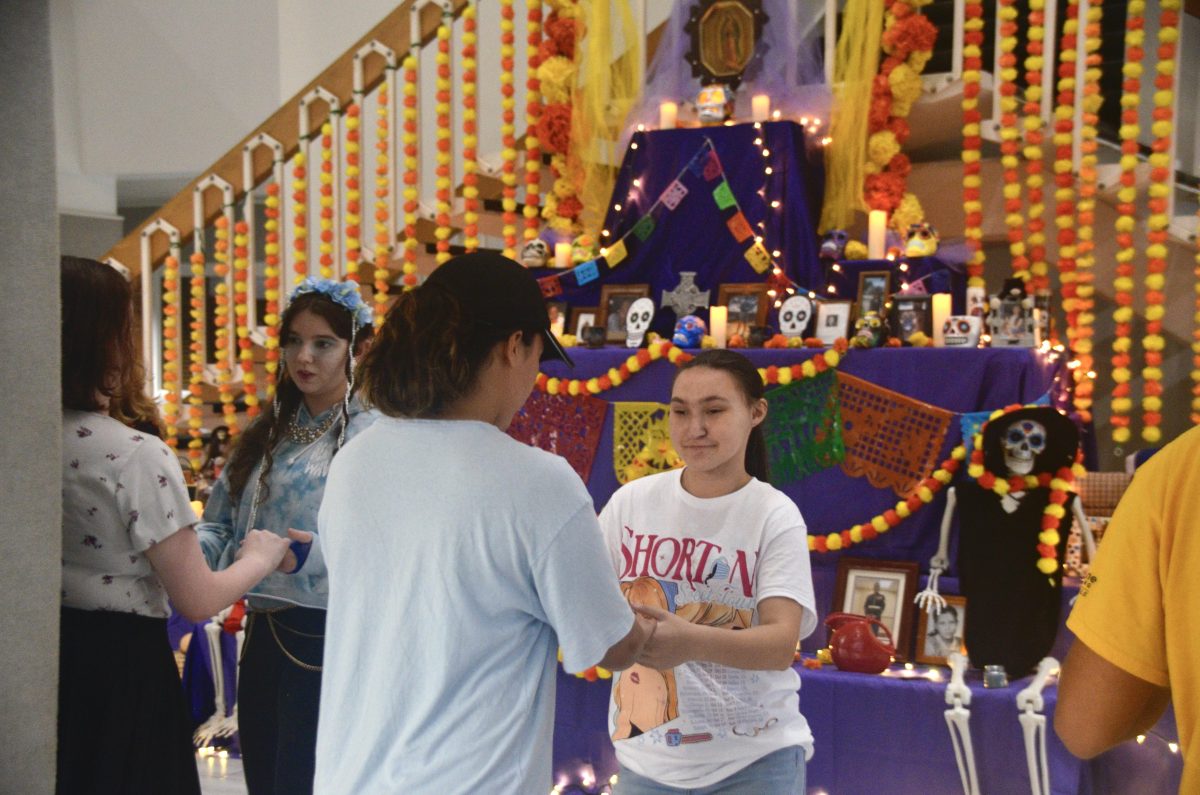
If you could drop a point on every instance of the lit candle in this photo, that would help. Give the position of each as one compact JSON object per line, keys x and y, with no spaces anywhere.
{"x":941,"y":311}
{"x":562,"y":255}
{"x":760,"y":107}
{"x":717,"y":318}
{"x":667,"y":114}
{"x":876,"y":234}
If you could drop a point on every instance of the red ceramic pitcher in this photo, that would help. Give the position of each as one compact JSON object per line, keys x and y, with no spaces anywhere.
{"x":855,"y":647}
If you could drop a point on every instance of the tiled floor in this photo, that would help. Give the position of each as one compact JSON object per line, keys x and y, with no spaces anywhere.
{"x":220,"y":776}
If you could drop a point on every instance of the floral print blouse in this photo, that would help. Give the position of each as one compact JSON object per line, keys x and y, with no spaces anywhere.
{"x":123,"y":492}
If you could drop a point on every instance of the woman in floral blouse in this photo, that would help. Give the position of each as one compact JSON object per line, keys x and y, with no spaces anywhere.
{"x":275,"y":479}
{"x":128,"y":545}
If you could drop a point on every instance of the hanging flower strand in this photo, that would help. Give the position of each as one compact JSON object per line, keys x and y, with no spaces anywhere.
{"x":411,"y":188}
{"x":1035,"y":179}
{"x":1122,"y":403}
{"x":1085,"y":383}
{"x":196,"y":315}
{"x":383,"y":235}
{"x":221,"y":321}
{"x":1010,"y":139}
{"x":470,"y":83}
{"x":444,"y":133}
{"x":325,"y":247}
{"x":973,"y":140}
{"x":271,"y":285}
{"x":1065,"y":220}
{"x":353,"y":191}
{"x":241,"y":314}
{"x":508,"y":176}
{"x":300,"y":214}
{"x":172,"y":363}
{"x":533,"y":114}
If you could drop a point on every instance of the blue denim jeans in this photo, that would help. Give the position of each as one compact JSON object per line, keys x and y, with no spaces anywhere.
{"x":778,"y":773}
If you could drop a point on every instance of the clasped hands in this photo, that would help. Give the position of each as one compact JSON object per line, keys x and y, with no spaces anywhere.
{"x":668,"y":644}
{"x":289,"y":563}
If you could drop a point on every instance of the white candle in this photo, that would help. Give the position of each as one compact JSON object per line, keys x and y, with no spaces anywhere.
{"x":941,"y":311}
{"x":562,"y":255}
{"x":760,"y":107}
{"x":667,"y":114}
{"x":557,"y":325}
{"x":876,"y":234}
{"x":717,"y":318}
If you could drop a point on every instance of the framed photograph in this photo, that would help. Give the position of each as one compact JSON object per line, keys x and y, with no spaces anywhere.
{"x":614,"y":305}
{"x":581,"y":318}
{"x":557,"y":311}
{"x":747,"y":304}
{"x":910,"y":314}
{"x":881,"y":589}
{"x":833,"y":321}
{"x":941,"y":634}
{"x":874,"y":287}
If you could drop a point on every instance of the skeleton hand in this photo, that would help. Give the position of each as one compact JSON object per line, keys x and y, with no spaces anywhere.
{"x":929,"y":599}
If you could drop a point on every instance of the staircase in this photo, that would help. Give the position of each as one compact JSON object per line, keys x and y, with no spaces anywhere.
{"x":238,"y":188}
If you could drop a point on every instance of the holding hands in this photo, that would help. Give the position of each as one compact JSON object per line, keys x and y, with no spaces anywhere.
{"x":670,"y":641}
{"x":263,"y":547}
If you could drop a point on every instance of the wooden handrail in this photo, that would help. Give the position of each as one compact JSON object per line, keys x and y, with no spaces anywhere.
{"x":393,"y":31}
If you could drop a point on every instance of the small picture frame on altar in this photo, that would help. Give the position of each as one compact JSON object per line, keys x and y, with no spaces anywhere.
{"x":874,"y":287}
{"x":942,"y":633}
{"x":833,"y":321}
{"x":557,"y":312}
{"x":581,"y":318}
{"x":879,"y":589}
{"x":910,"y":314}
{"x":615,"y":300}
{"x":747,"y":305}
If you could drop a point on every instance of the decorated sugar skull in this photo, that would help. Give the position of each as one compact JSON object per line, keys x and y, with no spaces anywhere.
{"x":535,"y":254}
{"x":833,"y":246}
{"x":962,"y":331}
{"x":583,"y":248}
{"x":1023,"y":441}
{"x":637,"y":322}
{"x":714,"y":104}
{"x":689,"y":332}
{"x":976,"y":301}
{"x":794,"y":315}
{"x":921,"y":240}
{"x":869,"y":330}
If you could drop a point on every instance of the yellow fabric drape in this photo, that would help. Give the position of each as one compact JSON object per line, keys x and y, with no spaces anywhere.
{"x":610,"y":83}
{"x":854,"y":71}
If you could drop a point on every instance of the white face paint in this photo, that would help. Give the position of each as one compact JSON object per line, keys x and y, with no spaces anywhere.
{"x":637,"y":321}
{"x":794,"y":315}
{"x":1023,"y":442}
{"x":962,"y":331}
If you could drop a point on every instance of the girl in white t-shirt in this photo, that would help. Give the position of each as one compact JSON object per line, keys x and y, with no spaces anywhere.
{"x":720,"y":559}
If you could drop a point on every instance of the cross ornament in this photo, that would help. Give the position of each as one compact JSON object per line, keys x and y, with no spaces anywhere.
{"x":686,"y":296}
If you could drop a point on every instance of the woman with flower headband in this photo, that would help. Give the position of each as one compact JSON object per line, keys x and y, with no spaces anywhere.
{"x":275,"y":480}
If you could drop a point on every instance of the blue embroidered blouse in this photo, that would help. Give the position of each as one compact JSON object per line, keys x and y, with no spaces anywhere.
{"x":294,"y":488}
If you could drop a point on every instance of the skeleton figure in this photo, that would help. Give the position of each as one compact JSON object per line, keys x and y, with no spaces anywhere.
{"x":1014,"y":607}
{"x":921,"y":240}
{"x":637,"y":322}
{"x":535,"y":254}
{"x":794,"y":316}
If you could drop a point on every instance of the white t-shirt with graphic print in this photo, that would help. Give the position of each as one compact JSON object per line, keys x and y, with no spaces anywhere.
{"x":123,"y":492}
{"x":711,"y":561}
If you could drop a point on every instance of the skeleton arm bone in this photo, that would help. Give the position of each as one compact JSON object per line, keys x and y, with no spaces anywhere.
{"x":929,"y":599}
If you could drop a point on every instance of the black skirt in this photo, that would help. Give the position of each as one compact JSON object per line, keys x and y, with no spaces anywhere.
{"x":123,"y":726}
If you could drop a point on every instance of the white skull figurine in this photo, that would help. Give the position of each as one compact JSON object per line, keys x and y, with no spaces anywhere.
{"x":976,"y":301}
{"x":637,"y":322}
{"x":961,"y":331}
{"x":794,"y":315}
{"x":535,"y":254}
{"x":1023,"y":442}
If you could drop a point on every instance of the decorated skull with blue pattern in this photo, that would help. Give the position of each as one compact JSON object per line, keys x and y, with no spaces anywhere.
{"x":689,"y":332}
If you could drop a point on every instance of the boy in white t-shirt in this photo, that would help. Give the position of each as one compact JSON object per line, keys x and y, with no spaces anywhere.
{"x":720,"y":559}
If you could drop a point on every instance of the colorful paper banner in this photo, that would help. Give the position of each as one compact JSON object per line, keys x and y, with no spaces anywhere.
{"x":587,"y":272}
{"x":673,"y":195}
{"x":740,"y":227}
{"x":723,"y":195}
{"x":567,"y":426}
{"x":803,"y":429}
{"x":758,"y":258}
{"x":641,"y":441}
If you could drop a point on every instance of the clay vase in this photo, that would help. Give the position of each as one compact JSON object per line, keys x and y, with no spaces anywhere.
{"x":855,"y":647}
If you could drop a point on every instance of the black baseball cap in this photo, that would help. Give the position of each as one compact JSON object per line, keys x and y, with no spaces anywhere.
{"x":499,"y":292}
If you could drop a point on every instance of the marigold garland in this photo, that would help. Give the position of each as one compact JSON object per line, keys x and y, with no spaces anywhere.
{"x":1157,"y":221}
{"x":973,"y":140}
{"x":470,"y":83}
{"x":299,"y":214}
{"x":411,"y":176}
{"x":196,"y":315}
{"x":1088,"y":180}
{"x":508,"y":155}
{"x":383,"y":234}
{"x":223,"y":354}
{"x":1035,"y":179}
{"x":172,"y":363}
{"x":353,"y":191}
{"x":1122,"y":403}
{"x":533,"y":115}
{"x":443,"y":182}
{"x":1010,"y":139}
{"x":556,"y":75}
{"x":1064,"y":179}
{"x":271,"y":286}
{"x":325,"y":247}
{"x":241,"y":314}
{"x":1060,"y":484}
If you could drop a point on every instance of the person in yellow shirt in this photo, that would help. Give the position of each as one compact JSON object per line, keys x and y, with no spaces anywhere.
{"x":1135,"y":643}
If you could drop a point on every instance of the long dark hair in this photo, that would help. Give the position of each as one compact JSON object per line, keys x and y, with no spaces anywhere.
{"x":259,"y":440}
{"x":428,"y":354}
{"x":750,"y":384}
{"x":99,"y":357}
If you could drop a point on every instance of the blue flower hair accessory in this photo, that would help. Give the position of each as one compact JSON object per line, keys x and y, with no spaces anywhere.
{"x":344,"y":294}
